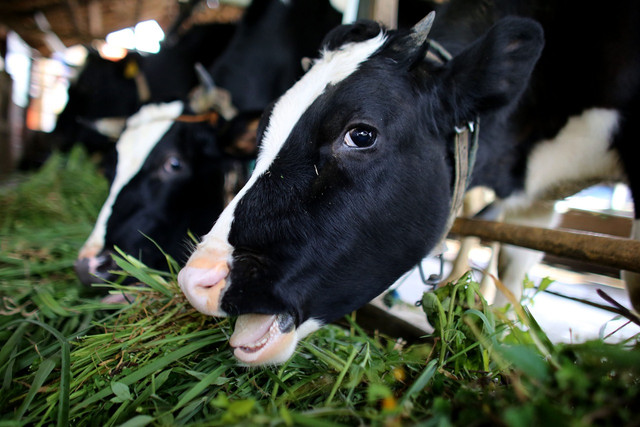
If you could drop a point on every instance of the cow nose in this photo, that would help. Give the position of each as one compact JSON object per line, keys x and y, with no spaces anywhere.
{"x":202,"y":281}
{"x":95,"y":269}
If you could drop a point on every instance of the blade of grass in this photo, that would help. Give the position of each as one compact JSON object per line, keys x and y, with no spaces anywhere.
{"x":40,"y":377}
{"x":65,"y":372}
{"x":146,"y":370}
{"x":195,"y":390}
{"x":342,"y":374}
{"x":138,"y":421}
{"x":11,"y":344}
{"x":134,"y":268}
{"x":421,"y":382}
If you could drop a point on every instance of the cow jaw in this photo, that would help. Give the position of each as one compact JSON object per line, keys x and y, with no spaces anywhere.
{"x":264,"y":339}
{"x":260,"y":339}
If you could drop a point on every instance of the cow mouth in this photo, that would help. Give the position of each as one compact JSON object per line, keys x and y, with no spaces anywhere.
{"x":260,"y":339}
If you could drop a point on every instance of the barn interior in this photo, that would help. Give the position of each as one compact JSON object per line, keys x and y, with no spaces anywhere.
{"x":43,"y":48}
{"x":43,"y":44}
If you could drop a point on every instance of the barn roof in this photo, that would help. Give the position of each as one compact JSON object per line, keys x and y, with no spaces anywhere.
{"x":82,"y":21}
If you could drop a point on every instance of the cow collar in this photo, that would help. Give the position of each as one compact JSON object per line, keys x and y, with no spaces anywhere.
{"x":210,"y":117}
{"x":465,"y":148}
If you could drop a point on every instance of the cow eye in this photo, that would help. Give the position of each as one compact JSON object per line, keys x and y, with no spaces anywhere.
{"x":172,"y":165}
{"x":360,"y":137}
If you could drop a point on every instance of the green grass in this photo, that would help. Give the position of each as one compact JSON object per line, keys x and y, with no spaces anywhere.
{"x":68,"y":359}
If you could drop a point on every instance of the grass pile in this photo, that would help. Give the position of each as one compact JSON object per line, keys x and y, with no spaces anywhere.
{"x":70,"y":360}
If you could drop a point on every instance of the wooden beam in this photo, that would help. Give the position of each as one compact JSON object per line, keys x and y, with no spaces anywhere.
{"x":137,"y":11}
{"x":610,"y":251}
{"x":73,"y":8}
{"x":386,"y":12}
{"x":94,"y":12}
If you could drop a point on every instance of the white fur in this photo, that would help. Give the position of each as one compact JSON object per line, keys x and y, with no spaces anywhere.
{"x":143,"y":131}
{"x":580,"y":153}
{"x":111,"y":127}
{"x":307,"y":327}
{"x":577,"y":157}
{"x":331,"y":68}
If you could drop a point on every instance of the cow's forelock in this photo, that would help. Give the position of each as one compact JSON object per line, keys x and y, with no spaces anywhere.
{"x":143,"y":131}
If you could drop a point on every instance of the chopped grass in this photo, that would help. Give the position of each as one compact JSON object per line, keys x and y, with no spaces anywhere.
{"x":70,"y":360}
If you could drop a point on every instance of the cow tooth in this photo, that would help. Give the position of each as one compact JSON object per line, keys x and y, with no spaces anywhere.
{"x":273,"y":331}
{"x":259,"y":344}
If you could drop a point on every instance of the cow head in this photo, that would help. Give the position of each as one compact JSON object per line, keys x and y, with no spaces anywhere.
{"x":168,"y":181}
{"x":353,"y":181}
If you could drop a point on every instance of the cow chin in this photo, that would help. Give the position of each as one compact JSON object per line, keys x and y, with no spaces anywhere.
{"x":262,"y":339}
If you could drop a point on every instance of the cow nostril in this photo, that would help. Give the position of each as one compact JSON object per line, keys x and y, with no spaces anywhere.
{"x":104,"y":263}
{"x":94,"y":269}
{"x":203,"y":287}
{"x":81,"y":267}
{"x":206,"y":285}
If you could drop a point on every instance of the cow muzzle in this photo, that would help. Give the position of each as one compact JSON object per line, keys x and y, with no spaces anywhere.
{"x":258,"y":339}
{"x":95,"y":269}
{"x":203,"y":280}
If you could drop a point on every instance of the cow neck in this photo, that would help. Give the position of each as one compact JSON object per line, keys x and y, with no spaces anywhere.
{"x":465,"y":148}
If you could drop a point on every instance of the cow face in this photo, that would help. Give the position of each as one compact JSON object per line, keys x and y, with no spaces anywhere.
{"x":168,"y":181}
{"x":353,"y":182}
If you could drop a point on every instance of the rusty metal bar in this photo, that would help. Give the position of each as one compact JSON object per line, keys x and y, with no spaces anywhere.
{"x":610,"y":251}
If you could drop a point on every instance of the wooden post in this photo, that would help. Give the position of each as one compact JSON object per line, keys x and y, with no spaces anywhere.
{"x":386,"y":12}
{"x":610,"y":251}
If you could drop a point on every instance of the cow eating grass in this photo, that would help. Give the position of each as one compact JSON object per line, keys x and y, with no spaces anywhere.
{"x":163,"y":165}
{"x":355,"y":178}
{"x":172,"y":156}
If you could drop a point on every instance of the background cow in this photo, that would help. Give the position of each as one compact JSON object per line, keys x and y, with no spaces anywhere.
{"x":354,"y":180}
{"x":117,"y":89}
{"x":169,"y":176}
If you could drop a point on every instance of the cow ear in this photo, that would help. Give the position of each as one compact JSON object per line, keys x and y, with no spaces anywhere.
{"x":111,"y":127}
{"x":494,"y":71}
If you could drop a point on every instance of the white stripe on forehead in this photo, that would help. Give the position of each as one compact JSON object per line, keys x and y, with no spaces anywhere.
{"x":333,"y":67}
{"x":143,"y":131}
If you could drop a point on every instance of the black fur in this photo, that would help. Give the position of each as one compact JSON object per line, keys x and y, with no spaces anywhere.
{"x":163,"y":203}
{"x":320,"y":244}
{"x":262,"y":61}
{"x":264,"y":57}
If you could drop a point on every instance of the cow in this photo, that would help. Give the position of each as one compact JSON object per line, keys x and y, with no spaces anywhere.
{"x":165,"y":161}
{"x":115,"y":90}
{"x":170,"y":170}
{"x":357,"y":171}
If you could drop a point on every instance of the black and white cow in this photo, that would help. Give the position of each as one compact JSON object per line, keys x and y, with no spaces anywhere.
{"x":117,"y":89}
{"x":169,"y":173}
{"x":355,"y":175}
{"x":165,"y":166}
